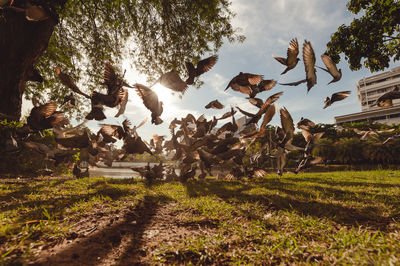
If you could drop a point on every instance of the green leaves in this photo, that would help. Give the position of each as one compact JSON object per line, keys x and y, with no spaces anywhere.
{"x":155,"y":36}
{"x":373,"y":37}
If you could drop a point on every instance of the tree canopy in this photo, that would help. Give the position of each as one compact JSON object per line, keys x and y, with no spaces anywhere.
{"x":372,"y":39}
{"x":154,"y":35}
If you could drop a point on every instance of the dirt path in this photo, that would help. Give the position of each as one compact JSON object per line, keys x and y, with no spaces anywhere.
{"x":125,"y":238}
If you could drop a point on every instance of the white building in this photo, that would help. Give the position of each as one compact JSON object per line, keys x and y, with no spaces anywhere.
{"x":368,"y":90}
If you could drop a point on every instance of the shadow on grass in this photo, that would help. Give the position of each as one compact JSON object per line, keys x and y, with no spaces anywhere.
{"x":332,"y":182}
{"x":299,"y":200}
{"x":96,"y":247}
{"x":58,"y":204}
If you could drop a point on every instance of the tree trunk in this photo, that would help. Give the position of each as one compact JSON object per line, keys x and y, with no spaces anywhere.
{"x":22,"y":42}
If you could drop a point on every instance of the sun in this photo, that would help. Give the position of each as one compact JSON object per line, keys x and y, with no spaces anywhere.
{"x":164,"y":94}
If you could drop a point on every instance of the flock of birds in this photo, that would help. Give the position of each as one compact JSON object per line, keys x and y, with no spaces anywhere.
{"x":196,"y":142}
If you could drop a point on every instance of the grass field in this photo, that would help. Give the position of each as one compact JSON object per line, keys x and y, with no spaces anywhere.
{"x":311,"y":218}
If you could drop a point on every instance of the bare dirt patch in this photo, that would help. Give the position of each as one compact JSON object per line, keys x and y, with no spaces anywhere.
{"x":125,"y":237}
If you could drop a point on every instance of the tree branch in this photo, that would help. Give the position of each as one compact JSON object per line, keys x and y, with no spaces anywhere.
{"x":390,"y":37}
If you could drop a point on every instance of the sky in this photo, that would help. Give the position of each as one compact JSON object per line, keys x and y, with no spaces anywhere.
{"x":268,"y":26}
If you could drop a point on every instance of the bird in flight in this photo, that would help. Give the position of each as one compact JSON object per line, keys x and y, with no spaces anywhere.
{"x":214,"y":105}
{"x":331,"y":68}
{"x":291,"y":60}
{"x":338,"y":96}
{"x":202,"y":67}
{"x":386,"y":100}
{"x":309,"y":65}
{"x":150,"y":100}
{"x":243,"y":82}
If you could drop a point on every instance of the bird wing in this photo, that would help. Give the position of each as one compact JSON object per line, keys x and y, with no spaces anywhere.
{"x":256,"y":102}
{"x":243,"y":89}
{"x":287,"y":122}
{"x":206,"y":64}
{"x":209,"y":105}
{"x":305,"y":123}
{"x":386,"y":131}
{"x":359,"y":132}
{"x":307,"y":135}
{"x":69,"y":82}
{"x":123,"y":103}
{"x":266,"y":85}
{"x":38,"y":147}
{"x":292,"y":52}
{"x":126,"y":124}
{"x":142,"y":123}
{"x":271,"y":110}
{"x":245,"y":113}
{"x":47,"y":109}
{"x":215,"y":105}
{"x":296,"y":83}
{"x":173,"y":81}
{"x":191,"y":73}
{"x":271,"y":99}
{"x":110,"y":78}
{"x":331,"y":66}
{"x":338,"y":96}
{"x":281,"y":60}
{"x":224,"y":128}
{"x":309,"y":64}
{"x":318,"y":136}
{"x":112,"y":130}
{"x":226,"y":115}
{"x":253,"y":79}
{"x":316,"y":160}
{"x":190,"y":118}
{"x":201,"y":119}
{"x":149,"y":97}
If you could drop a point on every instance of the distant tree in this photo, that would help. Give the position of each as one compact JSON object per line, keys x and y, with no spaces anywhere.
{"x":326,"y":149}
{"x":373,"y":36}
{"x":375,"y":152}
{"x":350,"y":150}
{"x":155,"y":35}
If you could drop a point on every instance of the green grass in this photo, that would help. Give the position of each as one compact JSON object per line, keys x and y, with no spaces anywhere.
{"x":312,"y":218}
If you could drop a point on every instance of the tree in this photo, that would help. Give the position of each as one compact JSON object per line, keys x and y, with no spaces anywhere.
{"x":374,"y":36}
{"x":157,"y":35}
{"x":350,"y":150}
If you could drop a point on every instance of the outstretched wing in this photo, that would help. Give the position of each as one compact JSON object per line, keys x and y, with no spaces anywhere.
{"x":292,"y":51}
{"x":206,"y":64}
{"x":296,"y":83}
{"x":47,"y":109}
{"x":331,"y":66}
{"x":246,"y":113}
{"x":171,"y":80}
{"x":266,"y":85}
{"x":142,"y":123}
{"x":287,"y":122}
{"x":338,"y":96}
{"x":309,"y":64}
{"x":69,"y":82}
{"x":149,"y":97}
{"x":110,"y":78}
{"x":123,"y":103}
